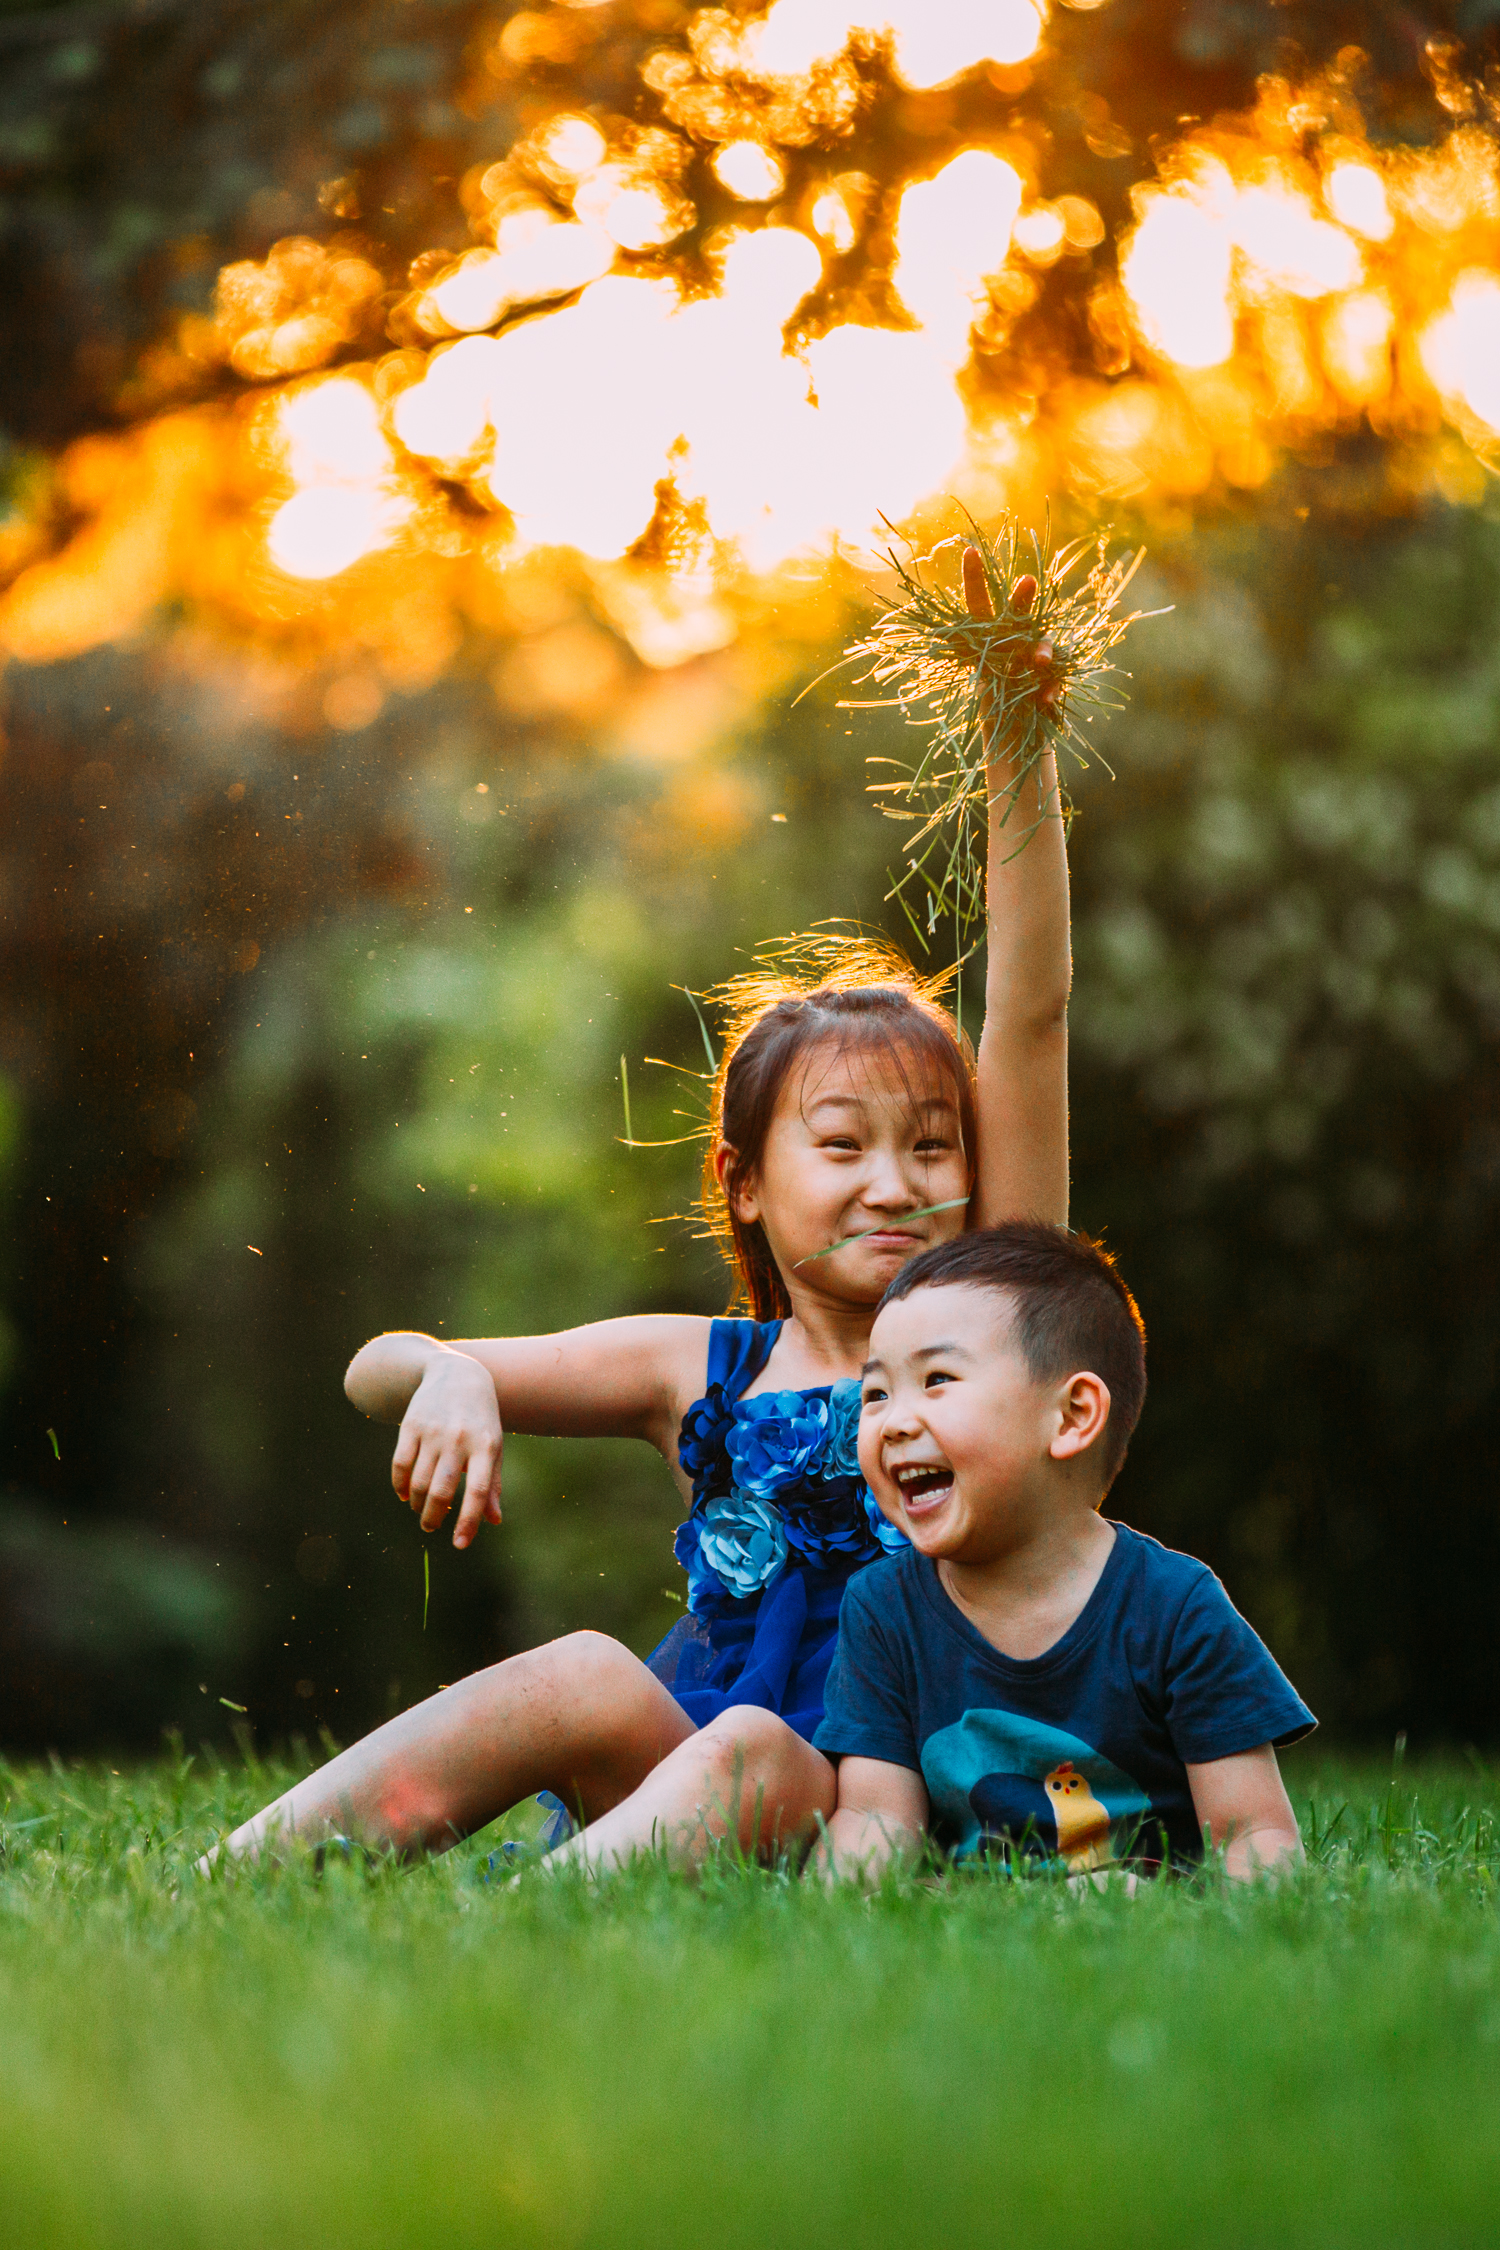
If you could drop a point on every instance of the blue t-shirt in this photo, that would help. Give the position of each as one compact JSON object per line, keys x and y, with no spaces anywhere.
{"x":1081,"y":1751}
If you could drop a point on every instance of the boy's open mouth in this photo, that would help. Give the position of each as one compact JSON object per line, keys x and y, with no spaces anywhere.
{"x":923,"y":1484}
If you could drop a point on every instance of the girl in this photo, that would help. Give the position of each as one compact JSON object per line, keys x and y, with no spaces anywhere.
{"x":850,"y":1128}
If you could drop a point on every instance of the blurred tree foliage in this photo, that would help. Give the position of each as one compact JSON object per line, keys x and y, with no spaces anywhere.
{"x":314,"y":1031}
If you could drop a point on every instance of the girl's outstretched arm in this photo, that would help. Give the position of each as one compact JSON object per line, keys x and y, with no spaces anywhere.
{"x":1022,"y":1160}
{"x":612,"y":1378}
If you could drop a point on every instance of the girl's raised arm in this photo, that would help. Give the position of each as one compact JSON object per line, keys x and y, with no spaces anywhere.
{"x":1022,"y":1162}
{"x":613,"y":1378}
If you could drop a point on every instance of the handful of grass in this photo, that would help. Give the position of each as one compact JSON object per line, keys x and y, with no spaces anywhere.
{"x":1003,"y":665}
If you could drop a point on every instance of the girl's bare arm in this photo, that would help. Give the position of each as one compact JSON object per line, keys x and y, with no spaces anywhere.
{"x":613,"y":1378}
{"x":1022,"y":1169}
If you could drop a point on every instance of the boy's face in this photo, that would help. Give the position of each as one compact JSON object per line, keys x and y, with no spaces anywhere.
{"x":957,"y":1439}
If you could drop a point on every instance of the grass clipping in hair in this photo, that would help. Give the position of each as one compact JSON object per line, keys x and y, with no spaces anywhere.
{"x":1023,"y":677}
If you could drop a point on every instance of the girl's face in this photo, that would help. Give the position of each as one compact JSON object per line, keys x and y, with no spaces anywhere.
{"x":860,"y":1140}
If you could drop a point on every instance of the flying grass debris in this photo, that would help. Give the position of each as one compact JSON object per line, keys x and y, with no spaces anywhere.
{"x":1009,"y":660}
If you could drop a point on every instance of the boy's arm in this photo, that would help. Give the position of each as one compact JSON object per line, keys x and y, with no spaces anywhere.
{"x":881,"y":1810}
{"x":1022,"y":1168}
{"x":612,"y":1378}
{"x":1243,"y":1804}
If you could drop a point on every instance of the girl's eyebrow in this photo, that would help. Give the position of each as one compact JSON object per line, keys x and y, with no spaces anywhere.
{"x":853,"y":1101}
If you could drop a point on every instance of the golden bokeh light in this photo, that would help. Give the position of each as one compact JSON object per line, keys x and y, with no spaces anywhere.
{"x":749,"y":171}
{"x":681,"y":419}
{"x":952,"y":231}
{"x":345,"y":505}
{"x":936,"y":45}
{"x":541,"y":259}
{"x":1357,"y":199}
{"x":569,"y":148}
{"x":636,"y":214}
{"x":1176,"y":275}
{"x":1041,"y":233}
{"x":1461,"y":349}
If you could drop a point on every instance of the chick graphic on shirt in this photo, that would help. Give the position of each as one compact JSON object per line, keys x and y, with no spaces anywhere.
{"x":1082,"y":1822}
{"x":1001,"y":1774}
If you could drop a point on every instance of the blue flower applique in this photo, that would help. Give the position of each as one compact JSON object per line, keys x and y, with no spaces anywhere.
{"x":891,"y":1537}
{"x":776,"y":1441}
{"x":704,"y":1586}
{"x":828,"y":1526}
{"x":843,"y":1428}
{"x":700,"y":1442}
{"x":742,"y":1540}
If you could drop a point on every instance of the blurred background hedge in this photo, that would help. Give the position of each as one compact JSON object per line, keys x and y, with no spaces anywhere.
{"x":313,"y":1027}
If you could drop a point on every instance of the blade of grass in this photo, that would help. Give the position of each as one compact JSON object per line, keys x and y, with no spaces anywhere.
{"x":928,"y":1211}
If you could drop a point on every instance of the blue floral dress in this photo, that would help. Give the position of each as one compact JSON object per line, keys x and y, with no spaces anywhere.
{"x":781,"y":1520}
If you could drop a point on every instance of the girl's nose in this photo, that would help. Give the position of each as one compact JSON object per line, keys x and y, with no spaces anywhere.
{"x":887,"y":1187}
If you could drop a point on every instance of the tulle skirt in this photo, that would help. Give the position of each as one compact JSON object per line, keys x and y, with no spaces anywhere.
{"x":772,"y":1651}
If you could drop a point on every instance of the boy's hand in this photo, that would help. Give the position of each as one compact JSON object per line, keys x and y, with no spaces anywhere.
{"x":451,"y":1434}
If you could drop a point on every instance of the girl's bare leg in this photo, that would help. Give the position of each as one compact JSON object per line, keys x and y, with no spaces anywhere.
{"x":580,"y":1716}
{"x":745,"y":1775}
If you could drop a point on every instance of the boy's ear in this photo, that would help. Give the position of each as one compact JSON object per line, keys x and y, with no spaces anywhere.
{"x":1083,"y":1409}
{"x":742,"y":1199}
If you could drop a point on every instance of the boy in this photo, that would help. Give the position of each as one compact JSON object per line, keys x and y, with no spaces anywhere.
{"x":1028,"y":1673}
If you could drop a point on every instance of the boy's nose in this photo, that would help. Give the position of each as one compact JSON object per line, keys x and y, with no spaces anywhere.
{"x":903,"y":1417}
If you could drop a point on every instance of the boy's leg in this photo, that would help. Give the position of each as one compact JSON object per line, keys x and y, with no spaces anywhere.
{"x":745,"y":1775}
{"x":580,"y":1716}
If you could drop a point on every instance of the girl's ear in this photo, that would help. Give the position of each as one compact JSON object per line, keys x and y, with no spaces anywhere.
{"x":742,"y":1201}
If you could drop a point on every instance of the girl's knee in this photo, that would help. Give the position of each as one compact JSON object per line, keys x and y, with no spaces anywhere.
{"x":577,"y":1663}
{"x":601,"y":1705}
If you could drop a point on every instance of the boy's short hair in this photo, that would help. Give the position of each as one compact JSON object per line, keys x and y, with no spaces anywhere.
{"x":1072,"y":1310}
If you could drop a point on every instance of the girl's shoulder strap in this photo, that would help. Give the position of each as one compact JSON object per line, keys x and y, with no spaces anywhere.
{"x":737,"y":1351}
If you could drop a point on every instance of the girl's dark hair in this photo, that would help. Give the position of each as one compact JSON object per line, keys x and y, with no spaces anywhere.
{"x":850,"y":991}
{"x":1072,"y":1310}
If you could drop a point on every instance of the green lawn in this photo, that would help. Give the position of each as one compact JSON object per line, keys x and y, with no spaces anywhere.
{"x":375,"y":2057}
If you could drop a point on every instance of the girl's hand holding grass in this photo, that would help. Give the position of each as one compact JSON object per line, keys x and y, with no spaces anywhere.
{"x":999,"y":676}
{"x":451,"y":1436}
{"x":1002,"y":741}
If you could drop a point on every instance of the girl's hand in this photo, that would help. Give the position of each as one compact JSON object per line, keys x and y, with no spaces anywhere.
{"x":976,"y":586}
{"x":451,"y":1434}
{"x":980,"y":605}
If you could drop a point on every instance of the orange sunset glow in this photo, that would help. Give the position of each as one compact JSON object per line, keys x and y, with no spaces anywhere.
{"x":568,"y":385}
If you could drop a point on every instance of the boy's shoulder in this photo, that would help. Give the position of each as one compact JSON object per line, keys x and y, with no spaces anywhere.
{"x":888,"y":1588}
{"x":1166,"y":1571}
{"x":1144,"y":1577}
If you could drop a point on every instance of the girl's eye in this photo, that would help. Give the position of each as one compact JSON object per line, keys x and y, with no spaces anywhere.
{"x":872,"y":1398}
{"x":841,"y":1141}
{"x":933,"y":1144}
{"x":936,"y":1375}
